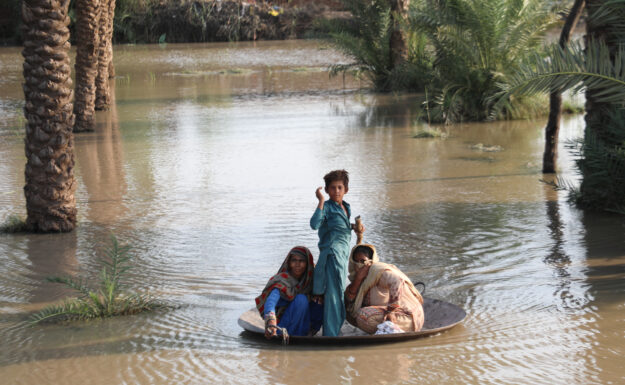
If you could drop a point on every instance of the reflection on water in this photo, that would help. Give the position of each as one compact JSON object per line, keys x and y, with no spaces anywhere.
{"x":207,"y":165}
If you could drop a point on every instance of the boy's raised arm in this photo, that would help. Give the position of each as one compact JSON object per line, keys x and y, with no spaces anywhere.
{"x":317,"y":218}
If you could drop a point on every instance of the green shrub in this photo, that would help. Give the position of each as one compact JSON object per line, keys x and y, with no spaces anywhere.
{"x":366,"y":38}
{"x":477,"y":45}
{"x":106,"y":300}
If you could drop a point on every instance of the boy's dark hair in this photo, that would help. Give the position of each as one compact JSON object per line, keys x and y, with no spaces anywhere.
{"x":364,"y":250}
{"x":335,"y":175}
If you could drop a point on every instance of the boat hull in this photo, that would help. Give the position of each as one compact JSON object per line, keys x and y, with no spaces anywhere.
{"x":439,"y":317}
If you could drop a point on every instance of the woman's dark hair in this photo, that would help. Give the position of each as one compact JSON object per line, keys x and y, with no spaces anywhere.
{"x":335,"y":175}
{"x":363,"y":249}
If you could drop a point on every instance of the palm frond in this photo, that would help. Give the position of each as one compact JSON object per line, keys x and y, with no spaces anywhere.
{"x":80,"y":285}
{"x":610,"y":13}
{"x":366,"y":39}
{"x":478,"y":43}
{"x":572,"y":68}
{"x":68,"y":310}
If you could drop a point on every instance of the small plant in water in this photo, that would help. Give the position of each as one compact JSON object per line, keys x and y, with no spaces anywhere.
{"x":105,"y":301}
{"x":13,"y":224}
{"x":429,"y":133}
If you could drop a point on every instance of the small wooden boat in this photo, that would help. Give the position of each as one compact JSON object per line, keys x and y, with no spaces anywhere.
{"x":439,"y":316}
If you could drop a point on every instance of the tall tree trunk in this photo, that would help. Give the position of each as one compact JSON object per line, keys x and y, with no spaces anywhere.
{"x":49,"y":172}
{"x":399,"y":49}
{"x":105,"y":55}
{"x":550,"y":156}
{"x":87,"y":49}
{"x":109,"y":37}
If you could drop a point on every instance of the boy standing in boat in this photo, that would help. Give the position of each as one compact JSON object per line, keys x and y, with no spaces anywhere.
{"x":331,"y":218}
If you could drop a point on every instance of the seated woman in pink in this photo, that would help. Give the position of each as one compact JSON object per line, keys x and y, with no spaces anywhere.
{"x":380,"y":292}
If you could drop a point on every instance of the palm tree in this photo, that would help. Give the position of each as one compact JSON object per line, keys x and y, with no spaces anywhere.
{"x":399,"y":46}
{"x":602,"y":164}
{"x":380,"y":49}
{"x":87,"y":49}
{"x":105,"y":54}
{"x":50,"y":183}
{"x":477,"y":44}
{"x":552,"y":129}
{"x":599,"y":70}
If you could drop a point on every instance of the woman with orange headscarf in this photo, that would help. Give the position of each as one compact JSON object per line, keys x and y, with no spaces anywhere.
{"x":285,"y":303}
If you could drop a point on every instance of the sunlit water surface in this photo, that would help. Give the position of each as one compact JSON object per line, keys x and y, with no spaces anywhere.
{"x":207,"y":165}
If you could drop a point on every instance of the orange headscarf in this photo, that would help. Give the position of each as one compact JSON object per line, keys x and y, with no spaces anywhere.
{"x":288,"y":285}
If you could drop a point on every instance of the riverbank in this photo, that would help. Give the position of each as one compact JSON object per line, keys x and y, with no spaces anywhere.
{"x":149,"y":21}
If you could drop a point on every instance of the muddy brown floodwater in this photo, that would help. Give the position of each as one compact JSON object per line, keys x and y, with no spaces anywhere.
{"x":207,"y":165}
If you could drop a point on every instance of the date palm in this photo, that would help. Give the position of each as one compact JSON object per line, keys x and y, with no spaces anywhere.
{"x":477,"y":44}
{"x":380,"y":47}
{"x":49,"y":171}
{"x":598,"y":68}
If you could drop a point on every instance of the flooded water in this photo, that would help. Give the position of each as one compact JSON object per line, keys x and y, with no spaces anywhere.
{"x":207,"y":165}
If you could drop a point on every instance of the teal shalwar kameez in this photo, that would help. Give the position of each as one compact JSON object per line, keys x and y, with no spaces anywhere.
{"x":335,"y":233}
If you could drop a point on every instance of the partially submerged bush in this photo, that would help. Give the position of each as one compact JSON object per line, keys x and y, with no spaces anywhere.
{"x":107,"y":300}
{"x":429,"y":133}
{"x":478,"y":46}
{"x":366,"y":37}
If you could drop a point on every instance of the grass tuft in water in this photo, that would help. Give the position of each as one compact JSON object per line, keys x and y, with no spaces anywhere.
{"x":429,"y":133}
{"x":106,"y":300}
{"x":13,"y":224}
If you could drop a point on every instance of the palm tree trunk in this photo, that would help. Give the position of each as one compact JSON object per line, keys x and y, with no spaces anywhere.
{"x":399,"y":49}
{"x":109,"y":37}
{"x":550,"y":155}
{"x":105,"y":55}
{"x":87,"y":42}
{"x":49,"y":172}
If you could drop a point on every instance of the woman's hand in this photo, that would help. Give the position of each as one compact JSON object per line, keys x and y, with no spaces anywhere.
{"x":391,"y":312}
{"x":391,"y":317}
{"x":271,"y":325}
{"x":317,"y":299}
{"x":362,"y":272}
{"x":319,"y":195}
{"x":271,"y":329}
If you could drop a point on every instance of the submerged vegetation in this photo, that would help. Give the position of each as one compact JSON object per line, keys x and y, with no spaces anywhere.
{"x":107,"y":300}
{"x":459,"y":51}
{"x":367,"y":39}
{"x":479,"y":44}
{"x":429,"y":133}
{"x":13,"y":224}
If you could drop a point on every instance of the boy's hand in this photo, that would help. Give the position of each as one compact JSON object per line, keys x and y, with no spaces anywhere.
{"x":319,"y":195}
{"x":358,"y":229}
{"x":317,"y":299}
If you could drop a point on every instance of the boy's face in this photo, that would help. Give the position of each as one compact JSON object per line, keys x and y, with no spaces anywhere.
{"x":336,"y":190}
